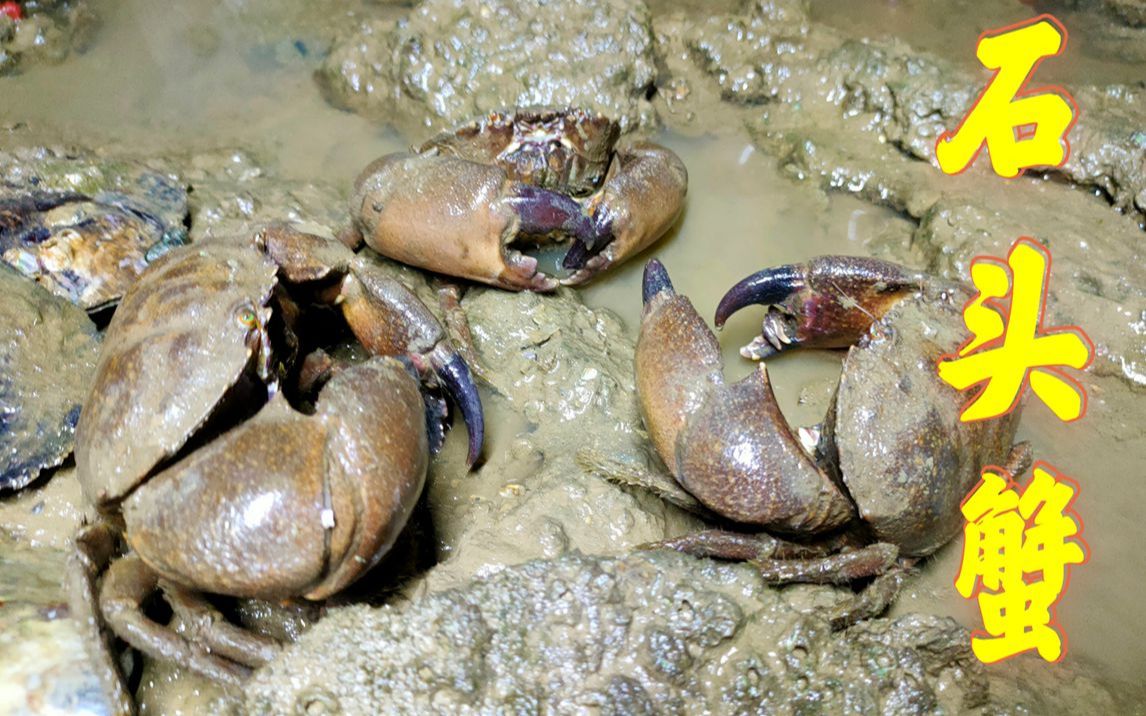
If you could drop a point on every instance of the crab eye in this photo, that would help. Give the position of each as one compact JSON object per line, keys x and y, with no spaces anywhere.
{"x":246,"y":317}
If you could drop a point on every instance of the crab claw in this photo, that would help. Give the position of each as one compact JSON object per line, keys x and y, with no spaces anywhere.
{"x":728,"y":445}
{"x":828,"y":302}
{"x":459,"y":218}
{"x":388,"y":319}
{"x":466,"y":218}
{"x":455,"y":377}
{"x":639,"y":202}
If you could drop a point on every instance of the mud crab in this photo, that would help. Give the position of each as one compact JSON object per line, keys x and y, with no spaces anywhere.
{"x":884,"y":477}
{"x":188,"y":444}
{"x":466,"y":202}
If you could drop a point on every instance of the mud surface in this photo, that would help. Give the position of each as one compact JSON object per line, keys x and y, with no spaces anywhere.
{"x":806,"y":130}
{"x":563,"y":384}
{"x":654,"y":633}
{"x":451,"y":60}
{"x":863,"y":117}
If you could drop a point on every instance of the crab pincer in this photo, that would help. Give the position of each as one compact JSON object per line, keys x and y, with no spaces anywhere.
{"x":728,"y":445}
{"x":827,"y":302}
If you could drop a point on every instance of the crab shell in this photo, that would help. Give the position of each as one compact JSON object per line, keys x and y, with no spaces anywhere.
{"x":175,"y":347}
{"x":563,"y":150}
{"x":906,"y":458}
{"x":282,"y":504}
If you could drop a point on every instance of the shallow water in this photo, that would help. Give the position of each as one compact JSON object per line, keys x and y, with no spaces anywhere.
{"x":203,"y":75}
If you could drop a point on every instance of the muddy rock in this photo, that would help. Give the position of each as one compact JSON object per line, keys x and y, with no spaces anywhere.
{"x":48,"y":350}
{"x":47,"y":32}
{"x":1131,"y":13}
{"x":562,"y":376}
{"x":43,"y":667}
{"x":863,"y":117}
{"x":452,"y":60}
{"x":233,"y":194}
{"x":83,"y":226}
{"x":647,"y":633}
{"x":890,"y":92}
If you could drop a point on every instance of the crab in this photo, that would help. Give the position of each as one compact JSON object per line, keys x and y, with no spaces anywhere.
{"x":188,"y":445}
{"x":467,"y":202}
{"x":880,"y":483}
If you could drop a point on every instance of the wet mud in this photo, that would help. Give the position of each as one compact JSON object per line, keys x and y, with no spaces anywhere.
{"x":654,"y":633}
{"x":449,"y":61}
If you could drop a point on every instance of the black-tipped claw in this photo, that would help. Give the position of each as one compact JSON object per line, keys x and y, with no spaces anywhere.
{"x":577,"y":256}
{"x":542,"y":212}
{"x":656,"y":280}
{"x":592,"y":238}
{"x":765,"y":288}
{"x":458,"y":382}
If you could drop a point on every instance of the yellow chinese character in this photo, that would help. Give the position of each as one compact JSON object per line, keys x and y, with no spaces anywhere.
{"x":1009,"y":349}
{"x":1015,"y":556}
{"x":1020,"y":132}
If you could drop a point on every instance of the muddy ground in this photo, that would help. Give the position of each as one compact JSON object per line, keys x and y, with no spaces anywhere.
{"x":807,"y":129}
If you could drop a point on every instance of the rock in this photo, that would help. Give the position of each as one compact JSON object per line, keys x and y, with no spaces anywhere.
{"x":85,"y":227}
{"x":48,"y":350}
{"x":647,"y":633}
{"x":43,"y":665}
{"x":452,"y":60}
{"x":863,"y":117}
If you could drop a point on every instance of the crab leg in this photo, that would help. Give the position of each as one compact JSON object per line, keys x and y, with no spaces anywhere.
{"x":828,"y":302}
{"x":872,"y":601}
{"x":207,"y":626}
{"x":127,"y":585}
{"x":94,"y":547}
{"x":385,"y":316}
{"x":728,"y":445}
{"x":838,"y":568}
{"x":782,"y":562}
{"x":739,"y":546}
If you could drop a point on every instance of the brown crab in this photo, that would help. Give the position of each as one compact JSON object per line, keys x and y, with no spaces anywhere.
{"x":467,"y":201}
{"x":188,"y":444}
{"x":885,"y":477}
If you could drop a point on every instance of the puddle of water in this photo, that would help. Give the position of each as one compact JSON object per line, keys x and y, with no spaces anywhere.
{"x":742,"y":216}
{"x":201,"y":75}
